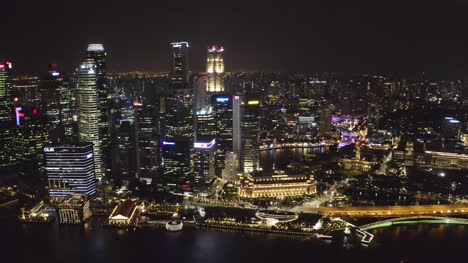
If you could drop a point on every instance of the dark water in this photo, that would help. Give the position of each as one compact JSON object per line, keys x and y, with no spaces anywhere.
{"x":51,"y":243}
{"x":283,"y":157}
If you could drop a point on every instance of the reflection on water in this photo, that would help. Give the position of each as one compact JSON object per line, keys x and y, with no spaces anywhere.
{"x":283,"y":157}
{"x":32,"y":243}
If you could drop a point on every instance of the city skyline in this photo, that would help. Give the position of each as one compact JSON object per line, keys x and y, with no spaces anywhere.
{"x":398,"y":37}
{"x":335,"y":130}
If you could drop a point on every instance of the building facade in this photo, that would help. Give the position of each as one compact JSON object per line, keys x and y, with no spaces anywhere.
{"x":215,"y":70}
{"x":74,"y":210}
{"x":87,"y":95}
{"x":7,"y":126}
{"x":279,"y":184}
{"x":97,"y":53}
{"x":203,"y":164}
{"x":250,"y":129}
{"x":70,"y":170}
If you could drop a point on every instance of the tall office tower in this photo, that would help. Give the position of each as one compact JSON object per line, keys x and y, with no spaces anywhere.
{"x":236,"y":125}
{"x":203,"y":164}
{"x":179,"y":74}
{"x":179,"y":120}
{"x":97,"y":53}
{"x":70,"y":169}
{"x":206,"y":124}
{"x":57,"y":100}
{"x":215,"y":70}
{"x":49,"y":88}
{"x":127,"y":153}
{"x":87,"y":102}
{"x":176,"y":165}
{"x":26,"y":90}
{"x":250,"y":129}
{"x":67,"y":102}
{"x":30,"y":137}
{"x":200,"y":92}
{"x":223,"y":111}
{"x":325,"y":122}
{"x":7,"y":126}
{"x":147,"y":140}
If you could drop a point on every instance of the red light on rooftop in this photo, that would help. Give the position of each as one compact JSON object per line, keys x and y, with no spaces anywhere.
{"x":21,"y":115}
{"x":35,"y":112}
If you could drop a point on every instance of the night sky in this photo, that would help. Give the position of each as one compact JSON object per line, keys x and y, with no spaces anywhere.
{"x":340,"y":36}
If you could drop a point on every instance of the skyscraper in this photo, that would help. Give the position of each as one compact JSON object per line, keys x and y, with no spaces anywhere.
{"x":250,"y":129}
{"x":178,"y":120}
{"x":215,"y":69}
{"x":7,"y":126}
{"x":97,"y":53}
{"x":127,"y":152}
{"x":179,"y":74}
{"x":88,"y":110}
{"x":30,"y":137}
{"x":70,"y":169}
{"x":224,"y":123}
{"x":147,"y":139}
{"x":203,"y":163}
{"x":206,"y":124}
{"x":325,"y":122}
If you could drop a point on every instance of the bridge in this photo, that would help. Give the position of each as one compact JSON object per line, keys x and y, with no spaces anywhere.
{"x":415,"y":220}
{"x":395,"y":211}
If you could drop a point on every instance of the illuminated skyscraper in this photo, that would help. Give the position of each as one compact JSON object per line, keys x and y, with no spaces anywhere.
{"x":30,"y":137}
{"x":203,"y":163}
{"x":6,"y":116}
{"x":179,"y":74}
{"x":148,"y":157}
{"x":250,"y":129}
{"x":87,"y":96}
{"x":206,"y":124}
{"x":70,"y":170}
{"x":223,"y":107}
{"x":179,"y":104}
{"x":179,"y":121}
{"x":215,"y":69}
{"x":97,"y":53}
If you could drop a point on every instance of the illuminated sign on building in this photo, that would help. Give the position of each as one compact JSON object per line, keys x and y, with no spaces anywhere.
{"x":222,"y":99}
{"x":204,"y":145}
{"x":168,"y":143}
{"x":48,"y":149}
{"x":18,"y":115}
{"x":253,"y":102}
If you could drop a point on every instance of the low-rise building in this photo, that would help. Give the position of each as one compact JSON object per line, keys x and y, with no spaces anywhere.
{"x":74,"y":210}
{"x":124,"y":213}
{"x":277,"y":184}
